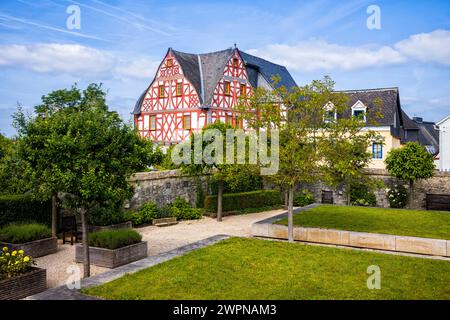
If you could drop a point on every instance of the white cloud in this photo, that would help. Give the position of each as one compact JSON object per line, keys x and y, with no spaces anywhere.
{"x":321,"y":55}
{"x":75,"y":60}
{"x":141,"y":68}
{"x":427,"y":47}
{"x":57,"y":58}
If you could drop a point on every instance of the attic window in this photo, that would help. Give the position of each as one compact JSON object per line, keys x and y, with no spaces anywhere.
{"x":227,"y":88}
{"x":359,"y":111}
{"x":235,"y":62}
{"x":169,"y":63}
{"x":330,"y":113}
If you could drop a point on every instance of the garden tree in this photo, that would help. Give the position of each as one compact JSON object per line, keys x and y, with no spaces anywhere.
{"x":410,"y":163}
{"x":298,"y":114}
{"x":344,"y":146}
{"x":76,"y":146}
{"x":220,"y":171}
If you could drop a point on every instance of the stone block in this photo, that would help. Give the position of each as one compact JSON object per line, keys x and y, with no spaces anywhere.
{"x":372,"y":240}
{"x":278,"y":231}
{"x":301,"y":234}
{"x":421,"y":245}
{"x":260,"y":229}
{"x":328,"y":236}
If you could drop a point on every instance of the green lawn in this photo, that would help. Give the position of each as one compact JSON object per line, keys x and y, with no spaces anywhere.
{"x":240,"y":268}
{"x":417,"y":223}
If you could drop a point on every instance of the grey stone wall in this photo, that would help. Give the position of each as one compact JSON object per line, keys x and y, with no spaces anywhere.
{"x":164,"y":187}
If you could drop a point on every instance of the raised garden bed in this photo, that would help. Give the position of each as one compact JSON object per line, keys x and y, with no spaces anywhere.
{"x":37,"y":248}
{"x":165,"y":222}
{"x":113,"y":258}
{"x":24,"y":285}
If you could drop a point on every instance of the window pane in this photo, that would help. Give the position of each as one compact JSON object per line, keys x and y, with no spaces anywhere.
{"x":187,"y":122}
{"x":179,"y":89}
{"x":377,"y":151}
{"x":227,"y":87}
{"x":161,"y":91}
{"x":152,"y":122}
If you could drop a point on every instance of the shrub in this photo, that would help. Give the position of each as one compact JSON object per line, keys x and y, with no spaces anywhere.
{"x":146,"y":214}
{"x":165,"y":211}
{"x":243,"y":200}
{"x":22,"y":233}
{"x":361,"y":195}
{"x":23,"y":208}
{"x":14,"y":263}
{"x":303,"y":198}
{"x":397,"y":196}
{"x":105,"y":216}
{"x":114,"y":239}
{"x":182,"y":210}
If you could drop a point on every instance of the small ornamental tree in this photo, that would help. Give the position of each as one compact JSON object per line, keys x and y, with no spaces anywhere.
{"x":410,"y":163}
{"x":83,"y":150}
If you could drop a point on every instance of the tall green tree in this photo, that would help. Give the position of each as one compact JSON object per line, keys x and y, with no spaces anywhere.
{"x":410,"y":163}
{"x":75,"y":145}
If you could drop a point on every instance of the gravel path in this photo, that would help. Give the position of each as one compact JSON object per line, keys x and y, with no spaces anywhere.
{"x":159,"y":240}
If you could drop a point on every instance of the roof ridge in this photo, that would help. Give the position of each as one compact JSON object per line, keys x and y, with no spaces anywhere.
{"x":259,"y":58}
{"x":371,"y":89}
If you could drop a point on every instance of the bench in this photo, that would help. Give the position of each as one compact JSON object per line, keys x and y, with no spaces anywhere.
{"x":438,"y":202}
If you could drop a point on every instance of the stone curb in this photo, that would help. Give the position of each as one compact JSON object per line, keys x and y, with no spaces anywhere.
{"x":64,"y":293}
{"x":267,"y":229}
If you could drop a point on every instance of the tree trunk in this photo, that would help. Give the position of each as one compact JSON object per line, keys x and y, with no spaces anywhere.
{"x":286,"y":199}
{"x":291,"y":214}
{"x":86,"y":260}
{"x":411,"y":193}
{"x":219,"y":200}
{"x":54,"y":217}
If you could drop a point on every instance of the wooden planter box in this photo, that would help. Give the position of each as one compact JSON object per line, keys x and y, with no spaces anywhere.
{"x":164,"y":222}
{"x":113,"y":258}
{"x":123,"y":225}
{"x":36,"y":248}
{"x":23,"y":286}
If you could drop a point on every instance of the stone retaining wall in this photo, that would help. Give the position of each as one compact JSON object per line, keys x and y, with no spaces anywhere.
{"x":164,"y":187}
{"x":436,"y":247}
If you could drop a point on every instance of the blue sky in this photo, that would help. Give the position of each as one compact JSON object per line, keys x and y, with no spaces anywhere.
{"x":121,"y":42}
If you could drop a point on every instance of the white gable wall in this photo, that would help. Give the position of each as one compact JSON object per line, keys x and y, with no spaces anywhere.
{"x":444,"y":144}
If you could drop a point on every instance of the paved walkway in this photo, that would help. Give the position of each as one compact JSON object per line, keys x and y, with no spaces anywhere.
{"x":160,"y":240}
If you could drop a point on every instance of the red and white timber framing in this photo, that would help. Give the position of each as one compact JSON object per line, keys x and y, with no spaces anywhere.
{"x":171,"y":108}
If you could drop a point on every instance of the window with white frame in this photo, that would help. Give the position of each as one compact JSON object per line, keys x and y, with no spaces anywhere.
{"x":359,"y":111}
{"x":377,"y":150}
{"x":330,"y":112}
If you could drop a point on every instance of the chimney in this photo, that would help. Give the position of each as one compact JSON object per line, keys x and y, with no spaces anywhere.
{"x":418,"y":119}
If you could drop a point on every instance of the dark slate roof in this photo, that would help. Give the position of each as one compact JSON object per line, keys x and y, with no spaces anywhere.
{"x":211,"y":71}
{"x":429,"y":137}
{"x":268,"y":70}
{"x":390,"y":104}
{"x":408,"y":124}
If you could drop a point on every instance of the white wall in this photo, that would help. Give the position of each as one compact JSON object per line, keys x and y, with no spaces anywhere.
{"x":444,"y":144}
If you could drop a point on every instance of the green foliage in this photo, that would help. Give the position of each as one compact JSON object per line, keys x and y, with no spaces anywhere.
{"x":106,"y":215}
{"x":239,"y":180}
{"x":14,"y":263}
{"x":362,"y":195}
{"x":144,"y":215}
{"x":165,"y":159}
{"x":303,"y":198}
{"x":22,"y":233}
{"x":410,"y":162}
{"x":237,"y":201}
{"x":397,"y":196}
{"x":114,"y":239}
{"x":165,"y":211}
{"x":24,"y":208}
{"x":182,"y":210}
{"x":74,"y":144}
{"x":200,"y":196}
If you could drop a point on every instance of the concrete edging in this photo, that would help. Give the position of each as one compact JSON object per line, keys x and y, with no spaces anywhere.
{"x":267,"y":229}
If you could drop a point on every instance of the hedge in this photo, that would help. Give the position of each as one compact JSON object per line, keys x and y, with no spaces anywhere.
{"x":23,"y":208}
{"x":243,"y":200}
